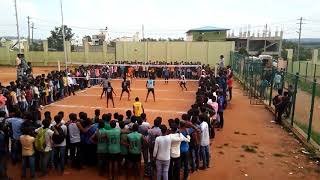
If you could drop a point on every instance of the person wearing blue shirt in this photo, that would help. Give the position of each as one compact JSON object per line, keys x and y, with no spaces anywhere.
{"x":184,"y":150}
{"x":15,"y":124}
{"x":221,"y":107}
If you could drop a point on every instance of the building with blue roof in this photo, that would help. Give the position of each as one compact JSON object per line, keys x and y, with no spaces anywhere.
{"x":207,"y":33}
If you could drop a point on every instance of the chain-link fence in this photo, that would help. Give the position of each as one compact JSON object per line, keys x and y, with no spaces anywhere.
{"x":261,"y":85}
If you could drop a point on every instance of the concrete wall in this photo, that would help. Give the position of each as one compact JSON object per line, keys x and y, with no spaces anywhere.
{"x":205,"y":52}
{"x":44,"y":58}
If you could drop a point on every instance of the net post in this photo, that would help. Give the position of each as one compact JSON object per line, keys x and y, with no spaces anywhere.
{"x":58,"y":65}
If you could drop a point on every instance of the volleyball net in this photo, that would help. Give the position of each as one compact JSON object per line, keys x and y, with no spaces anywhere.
{"x":135,"y":72}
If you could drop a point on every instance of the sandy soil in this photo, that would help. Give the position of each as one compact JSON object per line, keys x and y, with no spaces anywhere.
{"x":275,"y":153}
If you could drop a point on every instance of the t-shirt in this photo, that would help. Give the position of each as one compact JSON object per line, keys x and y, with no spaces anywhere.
{"x":65,"y":131}
{"x":109,"y":91}
{"x":184,"y":147}
{"x":27,"y":145}
{"x":150,"y":84}
{"x":124,"y":148}
{"x":134,"y":139}
{"x":102,"y":145}
{"x":48,"y":139}
{"x":74,"y":132}
{"x":113,"y":136}
{"x":16,"y":127}
{"x":125,"y":85}
{"x":175,"y":145}
{"x":137,"y":108}
{"x":105,"y":83}
{"x":204,"y":134}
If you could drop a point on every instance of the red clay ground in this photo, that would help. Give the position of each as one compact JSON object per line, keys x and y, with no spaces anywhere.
{"x":277,"y":154}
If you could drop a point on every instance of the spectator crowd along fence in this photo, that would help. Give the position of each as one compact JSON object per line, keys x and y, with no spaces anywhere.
{"x":299,"y":94}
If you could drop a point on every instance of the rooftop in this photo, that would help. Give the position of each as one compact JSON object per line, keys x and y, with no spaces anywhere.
{"x":207,"y":28}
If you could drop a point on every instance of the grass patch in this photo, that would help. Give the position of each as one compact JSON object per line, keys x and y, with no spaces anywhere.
{"x":314,"y":135}
{"x":250,"y":149}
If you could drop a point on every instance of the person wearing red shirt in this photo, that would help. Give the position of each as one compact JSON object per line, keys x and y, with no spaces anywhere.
{"x":230,"y":83}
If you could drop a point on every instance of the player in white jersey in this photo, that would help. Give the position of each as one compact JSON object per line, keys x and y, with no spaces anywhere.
{"x":183,"y":82}
{"x":150,"y":86}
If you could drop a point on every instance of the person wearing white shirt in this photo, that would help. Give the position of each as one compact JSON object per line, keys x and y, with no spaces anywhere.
{"x":70,"y":85}
{"x":162,"y":152}
{"x":204,"y":143}
{"x":175,"y":161}
{"x":45,"y":155}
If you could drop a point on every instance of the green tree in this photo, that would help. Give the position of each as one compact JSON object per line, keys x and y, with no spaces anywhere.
{"x":55,"y":41}
{"x":305,"y":53}
{"x":243,"y":52}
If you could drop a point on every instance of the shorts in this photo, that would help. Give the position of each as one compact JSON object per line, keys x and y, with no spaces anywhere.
{"x":151,"y":90}
{"x":182,"y":83}
{"x":134,"y":158}
{"x":109,"y":96}
{"x":105,"y":89}
{"x":125,"y":90}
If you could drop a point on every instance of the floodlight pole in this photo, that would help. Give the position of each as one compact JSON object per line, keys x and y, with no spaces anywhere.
{"x":64,"y":37}
{"x":15,"y":6}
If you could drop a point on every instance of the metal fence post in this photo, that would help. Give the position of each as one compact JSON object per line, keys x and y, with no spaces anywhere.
{"x":311,"y":109}
{"x":271,"y":86}
{"x":306,"y":75}
{"x":314,"y":71}
{"x":294,"y":96}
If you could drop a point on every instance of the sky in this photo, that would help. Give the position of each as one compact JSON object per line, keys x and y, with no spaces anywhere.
{"x":161,"y":18}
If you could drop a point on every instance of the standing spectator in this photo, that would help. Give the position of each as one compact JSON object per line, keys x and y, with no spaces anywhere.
{"x":27,"y":152}
{"x":113,"y":136}
{"x":204,"y":143}
{"x":135,"y":141}
{"x":3,"y":100}
{"x":3,"y":149}
{"x":221,"y":103}
{"x":15,"y":123}
{"x":230,"y":84}
{"x":59,"y":141}
{"x":74,"y":137}
{"x":44,"y":140}
{"x":175,"y":161}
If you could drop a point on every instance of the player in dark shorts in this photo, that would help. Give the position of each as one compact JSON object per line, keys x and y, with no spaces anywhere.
{"x":125,"y":88}
{"x":109,"y":91}
{"x":104,"y":85}
{"x":183,"y":82}
{"x":150,"y":86}
{"x":166,"y":75}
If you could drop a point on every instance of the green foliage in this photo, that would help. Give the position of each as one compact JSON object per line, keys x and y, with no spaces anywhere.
{"x":243,"y":52}
{"x":305,"y":53}
{"x":36,"y":46}
{"x":55,"y":41}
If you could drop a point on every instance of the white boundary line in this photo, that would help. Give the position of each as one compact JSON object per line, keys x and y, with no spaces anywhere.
{"x":141,"y":89}
{"x":165,"y":99}
{"x":99,"y":107}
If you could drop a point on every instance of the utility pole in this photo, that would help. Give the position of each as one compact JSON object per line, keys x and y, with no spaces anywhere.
{"x":32,"y":28}
{"x":28,"y":30}
{"x":265,"y":38}
{"x":299,"y":32}
{"x":142,"y":31}
{"x":64,"y":37}
{"x":18,"y":33}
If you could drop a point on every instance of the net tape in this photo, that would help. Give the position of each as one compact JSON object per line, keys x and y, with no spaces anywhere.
{"x":148,"y":65}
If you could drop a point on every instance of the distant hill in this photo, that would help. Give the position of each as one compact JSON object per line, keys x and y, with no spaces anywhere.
{"x":308,"y":42}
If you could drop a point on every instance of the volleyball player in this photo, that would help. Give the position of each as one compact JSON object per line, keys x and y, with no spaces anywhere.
{"x":109,"y":91}
{"x":125,"y":87}
{"x":104,"y":85}
{"x":166,"y":75}
{"x":183,"y":82}
{"x":150,"y":86}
